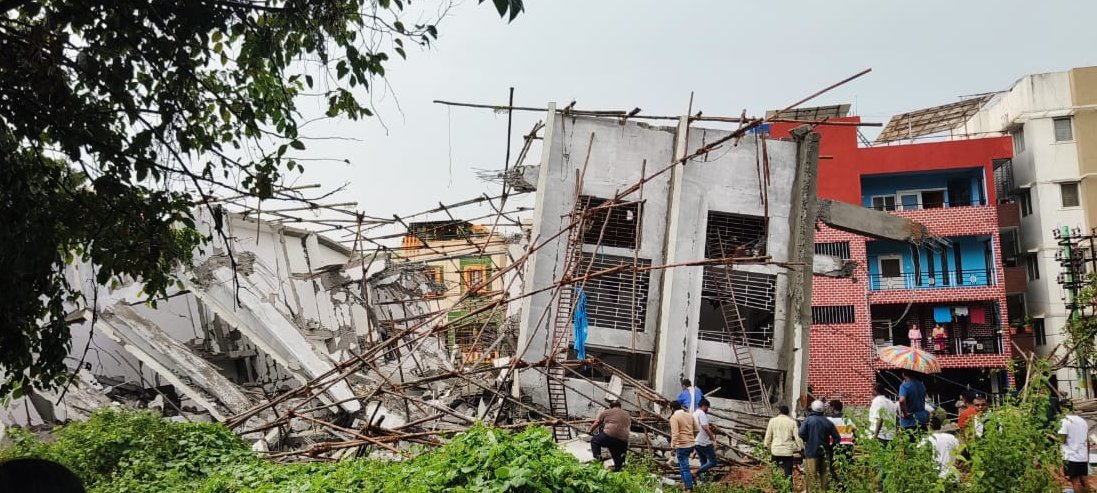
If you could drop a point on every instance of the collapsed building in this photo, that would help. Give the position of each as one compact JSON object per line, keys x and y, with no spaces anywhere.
{"x":654,"y":253}
{"x":735,"y":324}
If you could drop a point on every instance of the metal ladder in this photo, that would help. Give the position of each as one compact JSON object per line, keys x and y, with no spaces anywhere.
{"x":736,"y":330}
{"x":561,"y":334}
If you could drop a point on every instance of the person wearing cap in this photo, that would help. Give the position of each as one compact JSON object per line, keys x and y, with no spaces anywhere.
{"x":817,"y":432}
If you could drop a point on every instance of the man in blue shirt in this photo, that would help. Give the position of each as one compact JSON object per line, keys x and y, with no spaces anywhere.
{"x":818,"y":433}
{"x":690,"y":396}
{"x":912,"y":403}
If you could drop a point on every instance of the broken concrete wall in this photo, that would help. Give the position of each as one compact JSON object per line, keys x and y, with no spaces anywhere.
{"x":731,"y":179}
{"x":618,"y":154}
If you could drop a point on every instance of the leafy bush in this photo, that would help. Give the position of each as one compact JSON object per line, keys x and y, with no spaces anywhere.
{"x":118,"y":452}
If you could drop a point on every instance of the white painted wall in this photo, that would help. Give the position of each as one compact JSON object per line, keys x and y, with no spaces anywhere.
{"x":1031,"y":103}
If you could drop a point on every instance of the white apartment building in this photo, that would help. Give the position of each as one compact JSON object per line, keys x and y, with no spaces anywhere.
{"x":1052,"y":118}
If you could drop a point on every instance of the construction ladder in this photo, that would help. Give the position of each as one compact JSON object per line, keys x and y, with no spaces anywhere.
{"x":737,"y":339}
{"x":561,"y":333}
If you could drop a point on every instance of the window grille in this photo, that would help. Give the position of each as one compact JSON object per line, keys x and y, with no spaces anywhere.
{"x":734,"y":235}
{"x":615,"y":226}
{"x":839,"y":314}
{"x":838,"y":249}
{"x":611,"y":303}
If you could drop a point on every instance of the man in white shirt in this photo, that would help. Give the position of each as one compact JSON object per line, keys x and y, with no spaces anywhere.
{"x":706,"y":447}
{"x":1075,"y":432}
{"x":882,"y":415}
{"x":944,"y":444}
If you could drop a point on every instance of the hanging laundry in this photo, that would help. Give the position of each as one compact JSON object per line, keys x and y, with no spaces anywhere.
{"x":580,"y":320}
{"x":942,"y":314}
{"x":960,"y":311}
{"x":978,"y":315}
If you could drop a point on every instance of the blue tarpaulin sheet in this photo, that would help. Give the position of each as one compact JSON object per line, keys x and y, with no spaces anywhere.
{"x":580,"y":320}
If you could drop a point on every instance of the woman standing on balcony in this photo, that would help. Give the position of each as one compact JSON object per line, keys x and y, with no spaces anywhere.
{"x":915,"y":336}
{"x":940,"y":339}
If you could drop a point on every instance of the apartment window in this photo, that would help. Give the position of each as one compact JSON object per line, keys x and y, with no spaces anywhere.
{"x":1032,"y":264}
{"x":616,"y":226}
{"x":734,"y":235}
{"x":838,"y":249}
{"x":1069,"y":194}
{"x":1018,"y":140}
{"x":614,"y":299}
{"x":437,"y":281}
{"x":840,"y":314}
{"x":1039,"y":332}
{"x":883,"y":202}
{"x":1024,"y":199}
{"x":473,"y":276}
{"x":1063,"y":130}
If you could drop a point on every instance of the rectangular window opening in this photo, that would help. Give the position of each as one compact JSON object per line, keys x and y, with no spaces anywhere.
{"x":1032,"y":263}
{"x":836,"y":314}
{"x":437,"y":281}
{"x":1039,"y":332}
{"x":1069,"y":194}
{"x":611,"y":301}
{"x":616,"y":226}
{"x":472,"y":278}
{"x":838,"y":249}
{"x":883,"y":202}
{"x":1064,"y":132}
{"x":1024,"y":197}
{"x":752,"y":314}
{"x":1018,"y":140}
{"x":726,"y":381}
{"x":734,"y":235}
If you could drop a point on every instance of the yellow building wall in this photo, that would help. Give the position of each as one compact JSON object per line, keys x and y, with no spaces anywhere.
{"x":1083,"y":92}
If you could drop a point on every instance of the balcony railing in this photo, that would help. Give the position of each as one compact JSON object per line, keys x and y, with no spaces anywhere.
{"x":759,"y":337}
{"x":954,"y":345}
{"x":944,"y":204}
{"x":951,"y":279}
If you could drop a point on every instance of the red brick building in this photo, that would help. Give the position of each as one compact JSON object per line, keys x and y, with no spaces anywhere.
{"x":959,"y":286}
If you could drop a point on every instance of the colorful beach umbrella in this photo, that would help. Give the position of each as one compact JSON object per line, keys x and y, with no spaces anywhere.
{"x":910,"y":359}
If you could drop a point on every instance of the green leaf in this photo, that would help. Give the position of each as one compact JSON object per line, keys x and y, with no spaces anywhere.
{"x":296,"y":144}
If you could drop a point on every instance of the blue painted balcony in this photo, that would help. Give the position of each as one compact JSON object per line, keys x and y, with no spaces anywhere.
{"x":924,"y":190}
{"x":967,"y":262}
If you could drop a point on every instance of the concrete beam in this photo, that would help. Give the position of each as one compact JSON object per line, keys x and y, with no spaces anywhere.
{"x":871,"y":223}
{"x":189,"y":373}
{"x":269,"y":329}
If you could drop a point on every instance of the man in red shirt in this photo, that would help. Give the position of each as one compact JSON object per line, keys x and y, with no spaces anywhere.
{"x":969,"y":409}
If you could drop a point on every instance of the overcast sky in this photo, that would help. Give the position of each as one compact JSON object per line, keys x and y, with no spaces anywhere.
{"x":650,"y":54}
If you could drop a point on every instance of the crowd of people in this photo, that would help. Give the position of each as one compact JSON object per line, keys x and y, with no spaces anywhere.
{"x":826,"y":437}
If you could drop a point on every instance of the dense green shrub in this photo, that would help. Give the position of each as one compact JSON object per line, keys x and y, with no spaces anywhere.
{"x":117,"y":452}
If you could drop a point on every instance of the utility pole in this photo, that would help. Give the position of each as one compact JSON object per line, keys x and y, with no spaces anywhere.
{"x":1075,"y":252}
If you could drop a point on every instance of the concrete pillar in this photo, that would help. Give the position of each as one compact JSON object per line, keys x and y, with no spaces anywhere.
{"x":794,"y":354}
{"x":676,"y":344}
{"x":532,"y":343}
